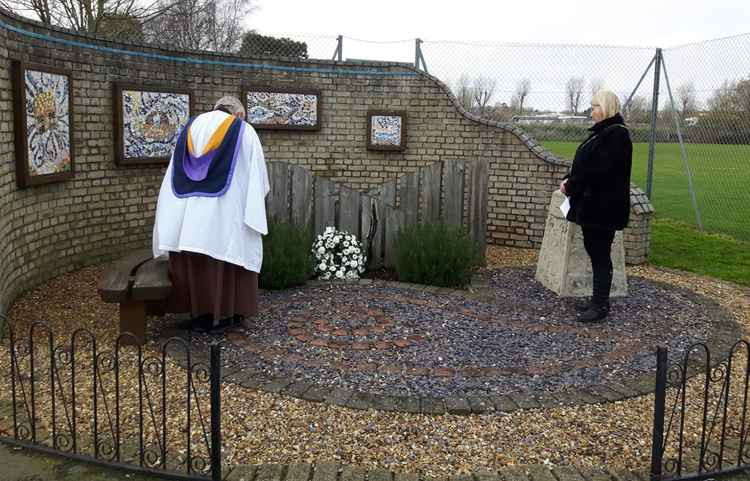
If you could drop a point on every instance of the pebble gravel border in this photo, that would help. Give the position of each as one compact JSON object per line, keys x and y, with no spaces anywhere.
{"x":723,"y":335}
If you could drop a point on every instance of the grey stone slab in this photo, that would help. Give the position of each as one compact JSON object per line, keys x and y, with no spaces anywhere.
{"x":242,"y":473}
{"x":299,"y":472}
{"x":379,"y":475}
{"x":405,"y":477}
{"x":547,"y":400}
{"x":277,"y":385}
{"x":325,"y":472}
{"x":626,"y":390}
{"x":298,"y":388}
{"x":627,"y":475}
{"x":352,"y":473}
{"x":251,"y":381}
{"x":486,"y":476}
{"x":596,"y":475}
{"x":513,"y":473}
{"x":539,"y":472}
{"x":605,"y":392}
{"x":463,"y":477}
{"x":360,"y":400}
{"x":270,"y":472}
{"x":338,"y":396}
{"x":386,"y":403}
{"x":563,"y":265}
{"x":457,"y":405}
{"x":503,"y":403}
{"x":432,"y":405}
{"x":408,"y":404}
{"x":567,"y":473}
{"x":480,"y":404}
{"x":315,"y":394}
{"x":524,"y":400}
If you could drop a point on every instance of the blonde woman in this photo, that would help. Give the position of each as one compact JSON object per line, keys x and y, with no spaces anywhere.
{"x":599,"y":189}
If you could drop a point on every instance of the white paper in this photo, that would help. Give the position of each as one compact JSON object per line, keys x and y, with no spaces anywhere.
{"x":565,"y":206}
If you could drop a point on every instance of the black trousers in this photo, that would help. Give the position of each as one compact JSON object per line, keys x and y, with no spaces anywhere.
{"x":598,"y":245}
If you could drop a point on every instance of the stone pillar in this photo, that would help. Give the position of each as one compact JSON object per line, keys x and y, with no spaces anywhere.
{"x":563,"y":266}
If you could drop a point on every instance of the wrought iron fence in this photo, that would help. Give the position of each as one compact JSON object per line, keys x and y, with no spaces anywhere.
{"x":121,"y":407}
{"x":703,"y":432}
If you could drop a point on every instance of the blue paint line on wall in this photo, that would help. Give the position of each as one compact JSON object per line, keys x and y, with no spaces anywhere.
{"x":192,"y":60}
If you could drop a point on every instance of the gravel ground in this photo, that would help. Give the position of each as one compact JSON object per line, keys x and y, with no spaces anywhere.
{"x":524,"y":339}
{"x":264,"y":428}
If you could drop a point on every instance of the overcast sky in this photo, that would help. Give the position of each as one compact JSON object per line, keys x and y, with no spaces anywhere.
{"x":648,"y":23}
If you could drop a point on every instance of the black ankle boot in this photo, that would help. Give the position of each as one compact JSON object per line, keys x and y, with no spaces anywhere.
{"x":595,"y":313}
{"x":582,"y":305}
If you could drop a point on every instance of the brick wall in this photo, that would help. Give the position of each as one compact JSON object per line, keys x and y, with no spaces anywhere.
{"x":106,"y":210}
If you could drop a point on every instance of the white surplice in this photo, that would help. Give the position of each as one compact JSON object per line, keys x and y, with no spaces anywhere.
{"x":227,"y":228}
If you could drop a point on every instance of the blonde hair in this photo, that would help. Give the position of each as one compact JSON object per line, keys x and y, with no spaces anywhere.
{"x":608,"y":101}
{"x":230,"y":103}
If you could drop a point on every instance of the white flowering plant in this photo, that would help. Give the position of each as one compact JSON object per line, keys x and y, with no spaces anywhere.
{"x":338,"y":255}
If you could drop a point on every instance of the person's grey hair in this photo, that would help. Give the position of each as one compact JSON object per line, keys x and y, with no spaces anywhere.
{"x":230,"y":103}
{"x":608,"y":101}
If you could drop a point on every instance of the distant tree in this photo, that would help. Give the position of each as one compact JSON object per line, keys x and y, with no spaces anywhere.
{"x":213,"y":25}
{"x":573,"y":92}
{"x":686,"y":98}
{"x":90,"y":16}
{"x":595,"y":85}
{"x":464,"y":92}
{"x":123,"y":28}
{"x":523,"y":88}
{"x":483,"y":90}
{"x":638,"y":110}
{"x":257,"y":45}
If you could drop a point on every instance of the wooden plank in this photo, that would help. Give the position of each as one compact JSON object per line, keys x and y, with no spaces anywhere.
{"x":152,"y":280}
{"x":478,"y":206}
{"x":408,"y":188}
{"x":302,"y":196}
{"x":325,"y":214}
{"x":133,"y":320}
{"x":431,"y":182}
{"x":116,"y":279}
{"x":278,"y":198}
{"x":385,"y":195}
{"x":453,"y":185}
{"x":349,"y":203}
{"x":366,"y":223}
{"x":394,"y":222}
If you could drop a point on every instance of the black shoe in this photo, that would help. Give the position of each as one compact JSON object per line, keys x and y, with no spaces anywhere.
{"x":582,"y":305}
{"x":595,"y":313}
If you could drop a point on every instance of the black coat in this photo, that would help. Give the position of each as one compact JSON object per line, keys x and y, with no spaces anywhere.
{"x":599,"y":180}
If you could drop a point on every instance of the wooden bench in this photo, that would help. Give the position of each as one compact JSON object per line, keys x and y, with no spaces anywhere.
{"x":139,"y":284}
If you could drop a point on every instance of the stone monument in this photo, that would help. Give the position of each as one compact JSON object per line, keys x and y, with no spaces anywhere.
{"x":563,"y":266}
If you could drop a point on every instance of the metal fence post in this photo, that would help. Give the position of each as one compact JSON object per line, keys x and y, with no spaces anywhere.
{"x":654,"y":111}
{"x":339,"y":52}
{"x":660,"y":396}
{"x":215,"y":412}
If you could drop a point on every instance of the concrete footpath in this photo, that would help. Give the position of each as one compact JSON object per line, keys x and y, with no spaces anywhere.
{"x":17,"y":464}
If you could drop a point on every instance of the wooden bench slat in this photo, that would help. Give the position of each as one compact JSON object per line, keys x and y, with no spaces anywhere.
{"x":152,"y":280}
{"x":115,"y":281}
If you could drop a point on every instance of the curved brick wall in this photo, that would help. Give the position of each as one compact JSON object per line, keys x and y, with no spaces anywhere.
{"x":106,"y":209}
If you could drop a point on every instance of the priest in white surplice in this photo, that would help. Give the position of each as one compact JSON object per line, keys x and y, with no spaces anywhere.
{"x":211,"y":215}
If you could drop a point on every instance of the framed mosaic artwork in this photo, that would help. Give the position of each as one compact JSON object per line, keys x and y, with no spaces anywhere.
{"x":148,"y":120}
{"x":386,"y":130}
{"x":43,"y":116}
{"x":282,"y":109}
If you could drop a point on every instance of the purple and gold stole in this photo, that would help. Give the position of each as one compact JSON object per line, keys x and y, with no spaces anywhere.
{"x":208,"y":174}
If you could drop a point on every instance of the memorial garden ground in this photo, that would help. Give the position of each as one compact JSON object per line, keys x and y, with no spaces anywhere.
{"x":265,"y":420}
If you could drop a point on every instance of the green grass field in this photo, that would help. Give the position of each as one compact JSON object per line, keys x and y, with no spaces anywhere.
{"x":721,"y":178}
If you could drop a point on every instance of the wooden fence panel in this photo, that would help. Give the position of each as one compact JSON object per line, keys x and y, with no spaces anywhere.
{"x":431,"y":184}
{"x":302,"y":196}
{"x":394,"y":221}
{"x":349,"y":202}
{"x":325,"y":214}
{"x":408,"y":189}
{"x":453,"y":200}
{"x":478,"y":206}
{"x":278,"y":198}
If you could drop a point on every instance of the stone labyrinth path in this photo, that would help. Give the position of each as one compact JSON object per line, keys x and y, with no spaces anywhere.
{"x":510,"y":336}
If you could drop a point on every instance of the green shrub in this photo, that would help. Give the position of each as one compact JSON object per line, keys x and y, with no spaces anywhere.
{"x":287,"y":261}
{"x":435,"y":254}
